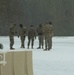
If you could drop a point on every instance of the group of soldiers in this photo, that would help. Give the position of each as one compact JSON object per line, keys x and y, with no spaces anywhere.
{"x":44,"y":32}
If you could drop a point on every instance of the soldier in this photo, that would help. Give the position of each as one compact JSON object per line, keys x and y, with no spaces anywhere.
{"x":11,"y":35}
{"x":51,"y":33}
{"x":22,"y":34}
{"x":48,"y":35}
{"x":40,"y":36}
{"x":31,"y":36}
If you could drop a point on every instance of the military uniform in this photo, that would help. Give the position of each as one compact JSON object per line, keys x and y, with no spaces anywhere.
{"x":51,"y":32}
{"x":22,"y":34}
{"x":31,"y":36}
{"x":48,"y":36}
{"x":11,"y":35}
{"x":40,"y":36}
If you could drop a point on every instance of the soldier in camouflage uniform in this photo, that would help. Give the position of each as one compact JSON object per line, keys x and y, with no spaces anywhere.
{"x":48,"y":35}
{"x":51,"y":31}
{"x":22,"y":34}
{"x":11,"y":35}
{"x":40,"y":36}
{"x":31,"y":36}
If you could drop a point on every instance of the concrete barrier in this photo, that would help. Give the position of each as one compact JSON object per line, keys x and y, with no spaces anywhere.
{"x":16,"y":62}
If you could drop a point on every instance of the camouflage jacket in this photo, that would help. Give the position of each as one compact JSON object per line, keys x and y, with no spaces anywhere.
{"x":31,"y":33}
{"x":22,"y":31}
{"x":48,"y":30}
{"x":40,"y":31}
{"x":12,"y":31}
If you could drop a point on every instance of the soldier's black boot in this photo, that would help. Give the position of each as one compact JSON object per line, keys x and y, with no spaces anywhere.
{"x":38,"y":47}
{"x":48,"y":49}
{"x":12,"y":48}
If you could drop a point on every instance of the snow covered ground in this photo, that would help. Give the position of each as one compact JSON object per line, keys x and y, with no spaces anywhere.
{"x":58,"y":61}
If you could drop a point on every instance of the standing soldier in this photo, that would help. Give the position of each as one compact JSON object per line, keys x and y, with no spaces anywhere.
{"x":31,"y":36}
{"x":51,"y":33}
{"x":22,"y":34}
{"x":40,"y":36}
{"x":11,"y":35}
{"x":48,"y":35}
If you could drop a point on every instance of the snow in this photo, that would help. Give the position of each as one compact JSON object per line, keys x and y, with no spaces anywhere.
{"x":58,"y":61}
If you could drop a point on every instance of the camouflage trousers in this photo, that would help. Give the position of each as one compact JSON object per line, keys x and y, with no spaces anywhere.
{"x":11,"y":41}
{"x":48,"y":43}
{"x":31,"y":40}
{"x":22,"y":41}
{"x":41,"y":40}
